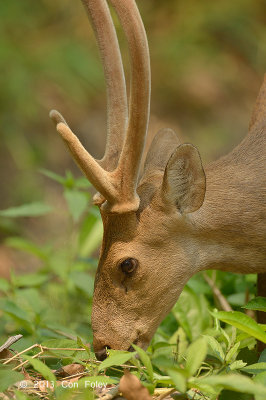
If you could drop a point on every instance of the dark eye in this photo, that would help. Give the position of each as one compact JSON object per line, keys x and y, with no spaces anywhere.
{"x":129,"y":265}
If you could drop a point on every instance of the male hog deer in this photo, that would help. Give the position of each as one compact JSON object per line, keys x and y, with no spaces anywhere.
{"x":177,"y":218}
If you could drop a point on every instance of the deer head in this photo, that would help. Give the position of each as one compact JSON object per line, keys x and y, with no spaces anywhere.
{"x":161,"y":226}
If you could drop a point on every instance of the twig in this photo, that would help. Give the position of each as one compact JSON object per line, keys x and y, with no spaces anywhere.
{"x":26,"y":361}
{"x":216,"y":291}
{"x":22,"y":352}
{"x":10,"y":341}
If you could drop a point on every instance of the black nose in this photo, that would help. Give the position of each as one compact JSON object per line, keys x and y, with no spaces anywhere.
{"x":101,"y":354}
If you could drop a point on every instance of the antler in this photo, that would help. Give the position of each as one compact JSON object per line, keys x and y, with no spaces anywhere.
{"x":117,"y":186}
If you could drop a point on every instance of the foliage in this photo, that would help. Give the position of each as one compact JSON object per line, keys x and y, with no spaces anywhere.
{"x":200,"y":351}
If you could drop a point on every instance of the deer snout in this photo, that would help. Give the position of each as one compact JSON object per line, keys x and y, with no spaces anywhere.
{"x":101,"y":354}
{"x":100,"y":348}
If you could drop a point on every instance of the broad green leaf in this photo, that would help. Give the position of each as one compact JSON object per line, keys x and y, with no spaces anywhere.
{"x":255,"y":368}
{"x":263,"y":356}
{"x":82,"y":183}
{"x":77,"y":203}
{"x":191,"y":312}
{"x":42,"y":368}
{"x":204,"y":387}
{"x":178,"y":379}
{"x":180,"y":339}
{"x":83,"y":281}
{"x":26,"y":210}
{"x":117,"y":358}
{"x":145,"y":360}
{"x":27,"y":246}
{"x":196,"y":354}
{"x":30,"y":280}
{"x":92,"y":240}
{"x":257,"y":304}
{"x":52,"y":175}
{"x":84,"y":346}
{"x":242,"y":322}
{"x":8,"y":378}
{"x":21,"y":316}
{"x":225,"y":335}
{"x":238,"y":364}
{"x":235,"y":382}
{"x":231,"y":353}
{"x":163,"y":362}
{"x":20,"y":395}
{"x":215,"y":346}
{"x":261,"y":379}
{"x":59,"y":346}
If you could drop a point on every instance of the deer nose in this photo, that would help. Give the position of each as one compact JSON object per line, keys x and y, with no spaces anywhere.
{"x":102,"y":354}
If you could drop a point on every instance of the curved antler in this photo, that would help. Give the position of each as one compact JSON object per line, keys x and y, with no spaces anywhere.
{"x":117,"y":186}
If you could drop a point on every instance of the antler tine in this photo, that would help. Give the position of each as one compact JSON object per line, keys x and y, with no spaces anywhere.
{"x":127,"y":171}
{"x":117,"y":107}
{"x":91,"y":168}
{"x":117,"y":186}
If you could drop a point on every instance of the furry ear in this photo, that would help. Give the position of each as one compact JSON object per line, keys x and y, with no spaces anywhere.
{"x":184,"y":181}
{"x":259,"y":111}
{"x":160,"y":150}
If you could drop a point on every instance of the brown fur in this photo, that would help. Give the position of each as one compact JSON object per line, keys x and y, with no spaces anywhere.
{"x":227,"y":232}
{"x":180,"y":219}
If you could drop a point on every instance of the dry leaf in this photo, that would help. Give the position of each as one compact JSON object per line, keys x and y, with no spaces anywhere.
{"x":132,"y":389}
{"x":71,"y":369}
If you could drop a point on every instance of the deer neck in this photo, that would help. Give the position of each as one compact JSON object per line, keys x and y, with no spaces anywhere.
{"x":228,"y":228}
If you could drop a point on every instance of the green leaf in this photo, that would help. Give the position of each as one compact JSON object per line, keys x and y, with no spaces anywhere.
{"x":21,"y":316}
{"x":8,"y":378}
{"x":52,"y":175}
{"x":215,"y":346}
{"x":117,"y":358}
{"x":263,"y":356}
{"x":231,"y":353}
{"x":261,"y":379}
{"x":61,"y":345}
{"x":83,"y":281}
{"x":191,"y":312}
{"x":238,"y":364}
{"x":178,"y":379}
{"x":92,"y":240}
{"x":257,"y":304}
{"x":255,"y":368}
{"x":235,"y":382}
{"x":27,"y":246}
{"x":196,"y":354}
{"x":26,"y":210}
{"x":20,"y":395}
{"x":145,"y":360}
{"x":30,"y":280}
{"x":82,"y":183}
{"x":77,"y":203}
{"x":242,"y":322}
{"x":84,"y":346}
{"x":42,"y":368}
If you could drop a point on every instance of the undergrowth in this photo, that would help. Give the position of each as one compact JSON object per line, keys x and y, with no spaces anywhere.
{"x":199,"y":349}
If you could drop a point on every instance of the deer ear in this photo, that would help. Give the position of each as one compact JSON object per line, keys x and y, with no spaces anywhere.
{"x":184,"y":181}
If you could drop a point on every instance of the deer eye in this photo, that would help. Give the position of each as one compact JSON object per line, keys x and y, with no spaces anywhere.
{"x":129,"y":265}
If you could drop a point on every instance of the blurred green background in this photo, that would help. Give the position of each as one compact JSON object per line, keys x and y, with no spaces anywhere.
{"x":207,"y":58}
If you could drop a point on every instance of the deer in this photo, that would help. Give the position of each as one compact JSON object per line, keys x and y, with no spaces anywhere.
{"x":174,"y":218}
